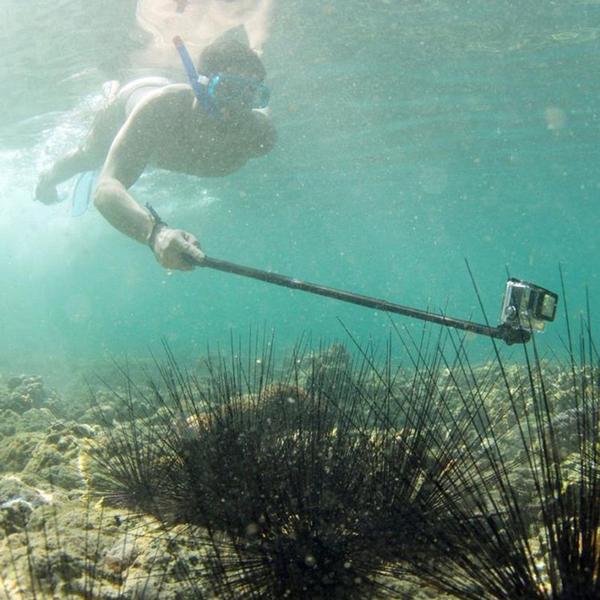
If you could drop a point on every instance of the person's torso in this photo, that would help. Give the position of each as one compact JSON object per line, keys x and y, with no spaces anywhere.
{"x":192,"y":142}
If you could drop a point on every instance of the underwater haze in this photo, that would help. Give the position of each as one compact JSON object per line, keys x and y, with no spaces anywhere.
{"x":412,"y":135}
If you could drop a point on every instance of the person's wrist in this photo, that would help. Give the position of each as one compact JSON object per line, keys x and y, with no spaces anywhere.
{"x":156,"y":229}
{"x":157,"y":226}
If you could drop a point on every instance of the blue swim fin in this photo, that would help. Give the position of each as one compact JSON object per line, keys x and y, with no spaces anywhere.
{"x":81,"y":196}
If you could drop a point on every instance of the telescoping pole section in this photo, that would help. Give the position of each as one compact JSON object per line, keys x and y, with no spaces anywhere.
{"x":297,"y":284}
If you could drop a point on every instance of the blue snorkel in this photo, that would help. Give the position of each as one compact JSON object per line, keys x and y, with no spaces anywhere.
{"x":196,"y":80}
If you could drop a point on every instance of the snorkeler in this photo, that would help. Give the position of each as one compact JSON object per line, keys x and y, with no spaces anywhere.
{"x":209,"y":128}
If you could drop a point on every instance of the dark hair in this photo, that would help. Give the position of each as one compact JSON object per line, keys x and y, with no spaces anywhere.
{"x":230,"y":56}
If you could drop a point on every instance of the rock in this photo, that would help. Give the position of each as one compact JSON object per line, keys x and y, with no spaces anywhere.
{"x":8,"y":423}
{"x":13,"y":487}
{"x":122,"y":554}
{"x":83,"y":430}
{"x":18,"y":402}
{"x":36,"y":419}
{"x":16,"y":451}
{"x":27,"y":392}
{"x":14,"y":382}
{"x":55,"y":458}
{"x":14,"y":515}
{"x":102,"y":414}
{"x":17,"y":502}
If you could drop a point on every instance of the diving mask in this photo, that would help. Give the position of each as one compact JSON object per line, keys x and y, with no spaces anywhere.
{"x":222,"y":88}
{"x":227,"y":88}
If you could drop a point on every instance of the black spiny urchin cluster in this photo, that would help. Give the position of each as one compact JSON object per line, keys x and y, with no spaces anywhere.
{"x":523,"y":504}
{"x":307,"y":486}
{"x":350,"y":480}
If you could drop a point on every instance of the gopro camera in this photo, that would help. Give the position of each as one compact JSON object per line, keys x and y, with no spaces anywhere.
{"x":527,"y":306}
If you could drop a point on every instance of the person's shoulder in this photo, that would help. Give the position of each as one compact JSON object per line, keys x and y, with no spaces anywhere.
{"x":264,"y":132}
{"x":174,"y":94}
{"x":159,"y":111}
{"x":176,"y":90}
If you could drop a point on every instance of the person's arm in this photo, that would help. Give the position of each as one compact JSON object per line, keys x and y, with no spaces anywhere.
{"x":126,"y":160}
{"x":88,"y":156}
{"x":64,"y":168}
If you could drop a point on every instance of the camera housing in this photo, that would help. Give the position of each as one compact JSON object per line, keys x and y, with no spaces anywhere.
{"x":527,"y":306}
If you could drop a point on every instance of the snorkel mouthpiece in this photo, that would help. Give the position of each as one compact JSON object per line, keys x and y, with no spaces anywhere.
{"x":196,"y":81}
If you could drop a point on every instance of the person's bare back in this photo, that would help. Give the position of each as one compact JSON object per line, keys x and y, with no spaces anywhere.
{"x":192,"y":142}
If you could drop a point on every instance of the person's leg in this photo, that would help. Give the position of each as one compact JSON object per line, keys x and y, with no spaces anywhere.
{"x":90,"y":155}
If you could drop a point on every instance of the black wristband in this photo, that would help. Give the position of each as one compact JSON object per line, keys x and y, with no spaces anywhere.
{"x":158,"y":226}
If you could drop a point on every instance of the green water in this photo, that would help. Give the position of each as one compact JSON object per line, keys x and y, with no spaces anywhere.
{"x":412,"y":135}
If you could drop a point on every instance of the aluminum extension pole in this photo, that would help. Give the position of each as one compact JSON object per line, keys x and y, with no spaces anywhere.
{"x":508,"y":335}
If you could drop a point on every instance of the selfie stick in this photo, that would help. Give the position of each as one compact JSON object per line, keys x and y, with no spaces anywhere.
{"x":509,"y":334}
{"x":524,"y":303}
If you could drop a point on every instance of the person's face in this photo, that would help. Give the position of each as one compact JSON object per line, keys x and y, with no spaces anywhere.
{"x":236,"y":93}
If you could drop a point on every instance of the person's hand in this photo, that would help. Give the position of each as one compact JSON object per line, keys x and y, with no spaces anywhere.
{"x":177,"y":249}
{"x":45,"y":191}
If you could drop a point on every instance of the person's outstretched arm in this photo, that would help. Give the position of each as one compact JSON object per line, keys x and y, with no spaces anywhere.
{"x":127,"y":158}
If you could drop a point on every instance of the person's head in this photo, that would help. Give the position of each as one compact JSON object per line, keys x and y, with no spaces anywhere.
{"x":227,"y":55}
{"x":236,"y":74}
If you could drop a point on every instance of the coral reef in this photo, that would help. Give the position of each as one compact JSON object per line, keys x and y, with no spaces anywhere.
{"x":324,"y":476}
{"x":331,"y":482}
